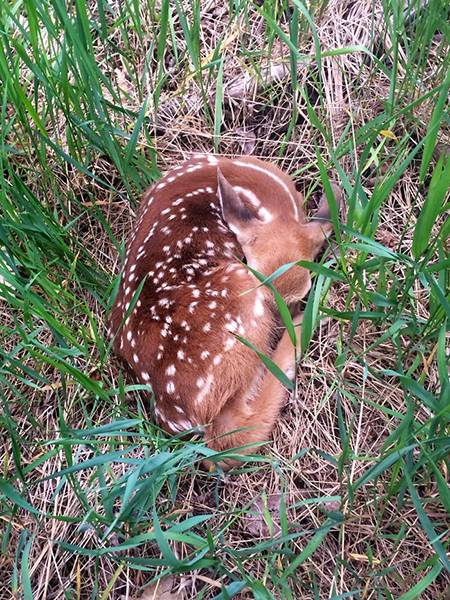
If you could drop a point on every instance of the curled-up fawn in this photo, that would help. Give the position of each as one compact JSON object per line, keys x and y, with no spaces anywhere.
{"x":194,"y":227}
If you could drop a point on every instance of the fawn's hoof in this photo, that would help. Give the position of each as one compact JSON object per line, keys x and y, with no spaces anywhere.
{"x":222,"y":465}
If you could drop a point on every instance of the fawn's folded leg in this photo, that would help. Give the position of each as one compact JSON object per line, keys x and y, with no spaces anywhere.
{"x":254,"y":415}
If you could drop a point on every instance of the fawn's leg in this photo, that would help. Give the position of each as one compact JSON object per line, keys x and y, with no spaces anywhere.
{"x":258,"y":412}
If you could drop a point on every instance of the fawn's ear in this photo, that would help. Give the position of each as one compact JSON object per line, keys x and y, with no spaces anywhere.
{"x":238,"y":215}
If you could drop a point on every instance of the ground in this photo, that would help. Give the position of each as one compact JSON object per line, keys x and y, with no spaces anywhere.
{"x":351,"y":498}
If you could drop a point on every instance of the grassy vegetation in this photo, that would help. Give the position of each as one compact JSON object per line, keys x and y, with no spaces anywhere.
{"x":351,"y":500}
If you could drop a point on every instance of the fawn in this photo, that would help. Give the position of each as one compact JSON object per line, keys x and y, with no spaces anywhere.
{"x":195,"y":226}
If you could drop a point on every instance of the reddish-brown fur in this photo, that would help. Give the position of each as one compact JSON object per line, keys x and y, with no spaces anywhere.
{"x":179,"y":336}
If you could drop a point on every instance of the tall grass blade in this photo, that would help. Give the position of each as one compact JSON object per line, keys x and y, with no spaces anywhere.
{"x":433,"y":125}
{"x":437,"y":192}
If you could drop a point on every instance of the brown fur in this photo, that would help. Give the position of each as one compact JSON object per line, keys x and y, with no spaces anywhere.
{"x":179,"y":336}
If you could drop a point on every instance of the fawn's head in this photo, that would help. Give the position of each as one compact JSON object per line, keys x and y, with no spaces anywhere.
{"x":270,"y":240}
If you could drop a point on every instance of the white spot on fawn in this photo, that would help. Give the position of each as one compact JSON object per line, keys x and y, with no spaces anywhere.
{"x":192,"y":306}
{"x":206,"y":385}
{"x":229,"y":343}
{"x":171,"y":370}
{"x":231,"y":326}
{"x":258,"y":308}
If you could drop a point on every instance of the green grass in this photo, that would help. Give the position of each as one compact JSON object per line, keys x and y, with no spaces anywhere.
{"x":91,"y":492}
